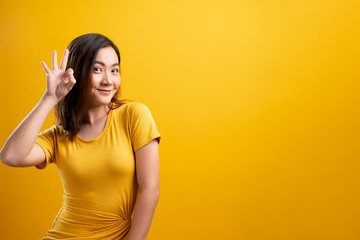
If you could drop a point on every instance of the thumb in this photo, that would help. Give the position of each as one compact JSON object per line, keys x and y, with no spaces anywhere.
{"x":70,"y":76}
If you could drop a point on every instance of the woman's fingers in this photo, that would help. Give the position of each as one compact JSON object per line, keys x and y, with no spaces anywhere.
{"x":64,"y":59}
{"x":70,"y":71}
{"x":70,"y":75}
{"x":70,"y":80}
{"x":54,"y":60}
{"x":47,"y":70}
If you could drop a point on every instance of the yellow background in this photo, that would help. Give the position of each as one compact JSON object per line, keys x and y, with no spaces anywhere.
{"x":257,"y":103}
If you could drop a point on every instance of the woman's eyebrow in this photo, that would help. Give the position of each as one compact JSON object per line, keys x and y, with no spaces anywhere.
{"x":103,"y":64}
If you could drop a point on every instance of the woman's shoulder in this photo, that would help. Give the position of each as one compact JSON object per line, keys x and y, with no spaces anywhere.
{"x":136,"y":107}
{"x":138,"y":111}
{"x":130,"y":108}
{"x":55,"y":131}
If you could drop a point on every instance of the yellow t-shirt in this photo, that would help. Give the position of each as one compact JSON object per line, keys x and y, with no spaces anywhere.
{"x":98,"y":175}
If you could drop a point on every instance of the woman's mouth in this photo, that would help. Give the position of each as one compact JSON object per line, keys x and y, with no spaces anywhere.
{"x":104,"y":91}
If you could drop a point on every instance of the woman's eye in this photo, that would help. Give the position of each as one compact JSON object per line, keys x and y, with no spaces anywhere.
{"x":96,"y":69}
{"x":115,"y":70}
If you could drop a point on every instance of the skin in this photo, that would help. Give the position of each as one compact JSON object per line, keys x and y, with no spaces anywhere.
{"x":20,"y":150}
{"x":105,"y":80}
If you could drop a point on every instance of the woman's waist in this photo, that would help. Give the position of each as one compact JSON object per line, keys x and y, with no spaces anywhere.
{"x":99,"y":207}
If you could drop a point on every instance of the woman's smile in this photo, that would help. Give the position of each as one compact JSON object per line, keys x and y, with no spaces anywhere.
{"x":104,"y":91}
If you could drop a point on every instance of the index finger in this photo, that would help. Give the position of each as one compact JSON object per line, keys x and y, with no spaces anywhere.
{"x":64,"y":59}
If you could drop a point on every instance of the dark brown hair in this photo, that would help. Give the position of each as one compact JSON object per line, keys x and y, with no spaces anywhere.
{"x":71,"y":111}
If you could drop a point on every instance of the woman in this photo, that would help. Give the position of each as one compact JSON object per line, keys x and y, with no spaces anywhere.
{"x":106,"y":150}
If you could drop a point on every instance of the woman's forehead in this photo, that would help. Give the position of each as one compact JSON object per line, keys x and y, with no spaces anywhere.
{"x":107,"y":55}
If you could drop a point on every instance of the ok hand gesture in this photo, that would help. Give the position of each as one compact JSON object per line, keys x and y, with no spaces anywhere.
{"x":58,"y":81}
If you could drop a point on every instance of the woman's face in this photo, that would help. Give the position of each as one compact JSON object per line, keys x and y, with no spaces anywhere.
{"x":105,"y":77}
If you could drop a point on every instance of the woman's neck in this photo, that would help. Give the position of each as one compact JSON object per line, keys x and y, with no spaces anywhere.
{"x":96,"y":114}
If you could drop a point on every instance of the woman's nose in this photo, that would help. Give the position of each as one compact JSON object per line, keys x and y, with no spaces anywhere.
{"x":107,"y":78}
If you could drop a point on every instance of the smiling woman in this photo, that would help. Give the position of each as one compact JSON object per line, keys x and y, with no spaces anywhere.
{"x":85,"y":53}
{"x":105,"y":77}
{"x":105,"y":149}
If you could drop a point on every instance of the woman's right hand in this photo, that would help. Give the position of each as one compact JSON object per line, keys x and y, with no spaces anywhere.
{"x":58,"y":81}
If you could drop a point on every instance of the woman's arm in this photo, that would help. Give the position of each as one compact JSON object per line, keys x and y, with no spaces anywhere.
{"x":147,"y":168}
{"x":20,"y":149}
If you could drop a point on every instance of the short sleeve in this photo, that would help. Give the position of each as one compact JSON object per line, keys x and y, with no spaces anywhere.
{"x":142,"y":126}
{"x":47,"y":141}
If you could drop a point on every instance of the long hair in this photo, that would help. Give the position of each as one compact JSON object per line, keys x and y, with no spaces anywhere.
{"x":71,"y":111}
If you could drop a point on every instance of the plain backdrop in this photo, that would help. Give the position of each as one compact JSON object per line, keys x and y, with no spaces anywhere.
{"x":257,"y":103}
